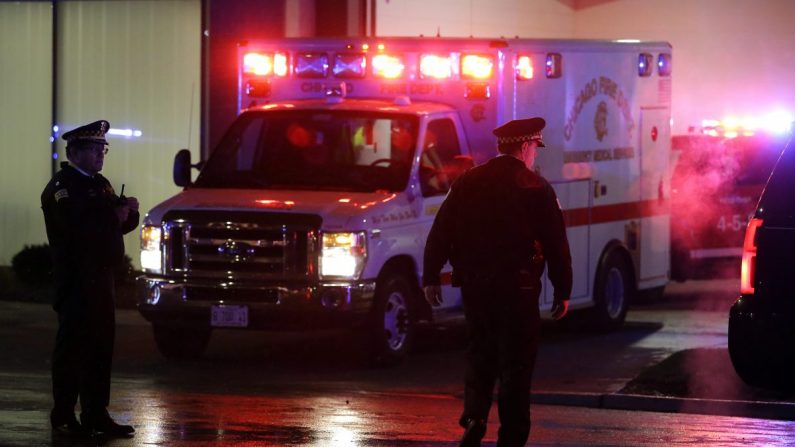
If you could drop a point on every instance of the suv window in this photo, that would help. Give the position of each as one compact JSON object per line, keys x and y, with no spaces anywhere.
{"x":441,"y":155}
{"x":777,"y":198}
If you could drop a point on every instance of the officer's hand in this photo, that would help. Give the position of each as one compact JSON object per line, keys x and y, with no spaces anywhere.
{"x":433,"y":295}
{"x":132,"y":203}
{"x":122,"y":213}
{"x":560,"y":308}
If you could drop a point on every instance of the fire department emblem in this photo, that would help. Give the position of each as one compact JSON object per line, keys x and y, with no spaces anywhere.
{"x":478,"y":112}
{"x":600,"y":121}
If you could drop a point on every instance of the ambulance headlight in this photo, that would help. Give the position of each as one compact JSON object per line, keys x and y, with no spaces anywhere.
{"x":349,"y":65}
{"x":151,"y":256}
{"x":343,"y":255}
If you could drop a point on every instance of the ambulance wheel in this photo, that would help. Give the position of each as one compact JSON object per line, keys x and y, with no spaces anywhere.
{"x":181,"y":342}
{"x":391,"y":330}
{"x":612,"y":292}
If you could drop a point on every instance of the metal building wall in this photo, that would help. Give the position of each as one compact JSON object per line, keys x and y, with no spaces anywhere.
{"x":478,"y":18}
{"x":25,"y":113}
{"x":731,"y":57}
{"x":137,"y":65}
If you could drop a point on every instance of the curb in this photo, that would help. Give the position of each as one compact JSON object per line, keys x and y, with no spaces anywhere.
{"x":639,"y":402}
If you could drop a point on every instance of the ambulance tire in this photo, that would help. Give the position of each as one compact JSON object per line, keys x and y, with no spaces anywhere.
{"x":175,"y":342}
{"x":613,"y":291}
{"x":680,"y":262}
{"x":391,"y":332}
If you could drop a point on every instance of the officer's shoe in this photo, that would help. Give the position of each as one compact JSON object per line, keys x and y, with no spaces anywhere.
{"x":102,"y":423}
{"x":66,"y":424}
{"x":474,"y":431}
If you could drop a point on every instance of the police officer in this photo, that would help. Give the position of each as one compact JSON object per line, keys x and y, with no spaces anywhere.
{"x":85,"y":221}
{"x":498,"y":226}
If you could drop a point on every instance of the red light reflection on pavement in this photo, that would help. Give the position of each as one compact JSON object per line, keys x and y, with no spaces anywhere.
{"x":362,"y":419}
{"x":359,"y":418}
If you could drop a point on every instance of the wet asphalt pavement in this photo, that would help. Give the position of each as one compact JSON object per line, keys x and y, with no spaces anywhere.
{"x":257,"y":389}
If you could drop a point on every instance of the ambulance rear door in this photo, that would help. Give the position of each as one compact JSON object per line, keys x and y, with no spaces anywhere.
{"x":655,"y":238}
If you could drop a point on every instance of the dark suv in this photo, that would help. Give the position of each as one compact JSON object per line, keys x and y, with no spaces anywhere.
{"x":762,"y":320}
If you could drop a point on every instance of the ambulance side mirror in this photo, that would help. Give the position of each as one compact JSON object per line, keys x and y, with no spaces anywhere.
{"x":182,"y":168}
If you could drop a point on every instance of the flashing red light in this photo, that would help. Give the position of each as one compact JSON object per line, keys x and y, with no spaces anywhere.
{"x":474,"y":66}
{"x":436,"y":67}
{"x":265,"y":64}
{"x":748,"y":268}
{"x":524,"y":68}
{"x":386,"y":66}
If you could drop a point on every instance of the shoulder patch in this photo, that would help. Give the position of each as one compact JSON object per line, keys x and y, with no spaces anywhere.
{"x":61,"y":194}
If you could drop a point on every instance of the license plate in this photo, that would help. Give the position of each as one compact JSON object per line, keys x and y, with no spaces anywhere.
{"x":229,"y":316}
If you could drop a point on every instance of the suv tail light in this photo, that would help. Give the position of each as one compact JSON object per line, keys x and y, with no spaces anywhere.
{"x":748,"y":269}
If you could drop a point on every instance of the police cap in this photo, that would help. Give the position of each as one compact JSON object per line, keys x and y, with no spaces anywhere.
{"x":519,"y":131}
{"x":94,"y":132}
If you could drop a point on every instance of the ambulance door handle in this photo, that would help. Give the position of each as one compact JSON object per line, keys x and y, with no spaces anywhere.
{"x":599,"y":190}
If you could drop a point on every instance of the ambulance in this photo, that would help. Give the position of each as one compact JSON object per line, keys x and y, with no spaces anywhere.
{"x":718,"y":178}
{"x":313,"y":210}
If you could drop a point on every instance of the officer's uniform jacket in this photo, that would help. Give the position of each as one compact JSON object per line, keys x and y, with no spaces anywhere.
{"x":84,"y":232}
{"x":496,"y":223}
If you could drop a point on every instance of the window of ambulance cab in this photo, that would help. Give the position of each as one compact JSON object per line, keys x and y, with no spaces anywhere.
{"x":359,"y":151}
{"x":440,"y":160}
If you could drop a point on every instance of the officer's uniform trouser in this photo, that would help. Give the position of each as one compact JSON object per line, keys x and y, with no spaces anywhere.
{"x":83,"y":353}
{"x":503,"y":327}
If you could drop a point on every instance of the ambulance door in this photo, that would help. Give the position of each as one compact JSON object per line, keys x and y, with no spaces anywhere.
{"x":440,"y":161}
{"x":575,"y":200}
{"x":654,"y":186}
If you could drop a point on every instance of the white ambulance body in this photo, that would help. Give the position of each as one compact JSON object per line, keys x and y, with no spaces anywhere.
{"x":297,"y":249}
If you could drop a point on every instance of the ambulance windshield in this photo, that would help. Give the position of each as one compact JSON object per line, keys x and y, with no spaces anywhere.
{"x":314,"y":150}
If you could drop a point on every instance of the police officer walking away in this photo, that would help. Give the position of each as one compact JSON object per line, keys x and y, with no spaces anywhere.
{"x":85,"y":221}
{"x":500,"y":223}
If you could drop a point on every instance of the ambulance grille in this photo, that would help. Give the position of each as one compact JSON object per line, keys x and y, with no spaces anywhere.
{"x":240,"y":246}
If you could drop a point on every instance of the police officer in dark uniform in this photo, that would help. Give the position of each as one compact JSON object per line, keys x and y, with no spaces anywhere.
{"x":500,"y":223}
{"x":85,"y":221}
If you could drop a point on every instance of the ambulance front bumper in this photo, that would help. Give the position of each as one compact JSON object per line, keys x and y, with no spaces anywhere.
{"x":198,"y":302}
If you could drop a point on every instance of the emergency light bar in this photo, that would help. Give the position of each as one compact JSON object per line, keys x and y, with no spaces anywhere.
{"x":386,"y":66}
{"x":645,"y":62}
{"x":474,"y":66}
{"x":778,"y":122}
{"x":664,"y":64}
{"x":265,"y":64}
{"x":554,"y":65}
{"x":524,"y":68}
{"x":436,"y":67}
{"x":311,"y":65}
{"x":349,"y":65}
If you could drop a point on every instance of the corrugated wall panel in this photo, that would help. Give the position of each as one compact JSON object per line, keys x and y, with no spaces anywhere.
{"x":25,"y":113}
{"x":137,"y":65}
